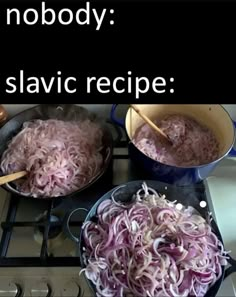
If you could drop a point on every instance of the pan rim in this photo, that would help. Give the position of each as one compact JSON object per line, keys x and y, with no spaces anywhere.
{"x":105,"y":166}
{"x":107,"y":196}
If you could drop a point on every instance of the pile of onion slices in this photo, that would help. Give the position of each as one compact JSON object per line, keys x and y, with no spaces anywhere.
{"x":151,"y":248}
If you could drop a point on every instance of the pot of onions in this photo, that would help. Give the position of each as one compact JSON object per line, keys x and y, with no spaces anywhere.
{"x":136,"y":240}
{"x":200,"y":137}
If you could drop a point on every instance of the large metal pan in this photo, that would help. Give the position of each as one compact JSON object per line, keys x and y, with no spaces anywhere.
{"x":183,"y":195}
{"x":65,"y":112}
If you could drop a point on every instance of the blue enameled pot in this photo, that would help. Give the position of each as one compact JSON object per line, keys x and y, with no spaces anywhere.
{"x":213,"y":116}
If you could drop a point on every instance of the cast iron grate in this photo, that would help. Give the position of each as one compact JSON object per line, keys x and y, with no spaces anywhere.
{"x":46,"y":259}
{"x":197,"y":192}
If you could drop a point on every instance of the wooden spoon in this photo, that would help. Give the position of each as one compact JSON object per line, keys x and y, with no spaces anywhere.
{"x":11,"y":177}
{"x":150,"y":123}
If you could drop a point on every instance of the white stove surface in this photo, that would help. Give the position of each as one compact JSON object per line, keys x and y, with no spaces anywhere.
{"x":42,"y":282}
{"x":222,"y":194}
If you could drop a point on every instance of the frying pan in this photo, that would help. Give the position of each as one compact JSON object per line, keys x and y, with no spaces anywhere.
{"x":65,"y":112}
{"x":183,"y":195}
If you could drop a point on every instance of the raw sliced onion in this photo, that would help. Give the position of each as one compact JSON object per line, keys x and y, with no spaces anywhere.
{"x":149,"y":249}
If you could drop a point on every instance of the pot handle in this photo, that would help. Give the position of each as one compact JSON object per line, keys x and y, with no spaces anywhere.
{"x":232,"y":153}
{"x":119,"y":122}
{"x":66,"y":224}
{"x":232,"y":268}
{"x":118,"y":137}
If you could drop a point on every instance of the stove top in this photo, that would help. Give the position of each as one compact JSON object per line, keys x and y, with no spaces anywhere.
{"x":36,"y":256}
{"x":32,"y":230}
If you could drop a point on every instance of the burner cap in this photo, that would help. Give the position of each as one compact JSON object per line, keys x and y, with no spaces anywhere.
{"x":54,"y":231}
{"x":56,"y":237}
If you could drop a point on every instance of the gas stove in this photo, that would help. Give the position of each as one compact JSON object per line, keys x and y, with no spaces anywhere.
{"x":37,"y":258}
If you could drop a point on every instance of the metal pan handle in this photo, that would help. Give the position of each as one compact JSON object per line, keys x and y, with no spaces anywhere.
{"x":66,"y":225}
{"x":118,"y":131}
{"x":232,"y":268}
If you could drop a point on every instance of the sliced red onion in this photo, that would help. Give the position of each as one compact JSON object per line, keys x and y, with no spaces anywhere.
{"x":192,"y":253}
{"x":192,"y":143}
{"x":156,"y":243}
{"x":60,"y":156}
{"x":149,"y":248}
{"x":103,"y":205}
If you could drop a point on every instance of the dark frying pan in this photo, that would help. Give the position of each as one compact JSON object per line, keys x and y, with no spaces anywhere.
{"x":65,"y":112}
{"x":124,"y":194}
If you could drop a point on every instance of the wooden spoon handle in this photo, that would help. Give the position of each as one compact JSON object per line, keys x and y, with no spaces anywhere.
{"x":149,"y":122}
{"x":8,"y":178}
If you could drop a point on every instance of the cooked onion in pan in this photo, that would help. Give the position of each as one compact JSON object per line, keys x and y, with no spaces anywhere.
{"x":151,"y":248}
{"x":193,"y":143}
{"x":61,"y":157}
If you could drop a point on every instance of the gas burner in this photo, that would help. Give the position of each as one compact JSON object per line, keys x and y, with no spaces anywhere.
{"x":56,"y":237}
{"x":49,"y":218}
{"x":54,"y":230}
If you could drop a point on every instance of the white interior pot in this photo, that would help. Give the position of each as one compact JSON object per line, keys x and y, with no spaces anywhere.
{"x":214,"y":116}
